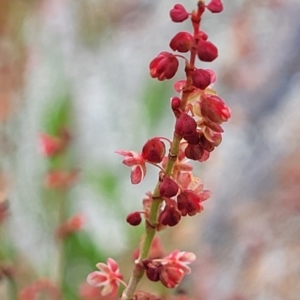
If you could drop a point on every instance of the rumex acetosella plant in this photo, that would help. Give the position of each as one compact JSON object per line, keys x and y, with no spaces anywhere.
{"x":199,"y":113}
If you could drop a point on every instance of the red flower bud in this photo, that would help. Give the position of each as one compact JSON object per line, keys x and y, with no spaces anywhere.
{"x":164,"y":66}
{"x":182,"y":42}
{"x":215,"y":6}
{"x":185,"y":125}
{"x":202,"y":35}
{"x":178,"y":13}
{"x":206,"y":144}
{"x":170,"y":216}
{"x":214,"y":108}
{"x":168,"y":187}
{"x":201,"y":79}
{"x":207,"y":51}
{"x":134,"y":218}
{"x":153,"y":273}
{"x":189,"y":203}
{"x":175,"y":105}
{"x":194,"y":152}
{"x":154,"y":150}
{"x":192,"y":138}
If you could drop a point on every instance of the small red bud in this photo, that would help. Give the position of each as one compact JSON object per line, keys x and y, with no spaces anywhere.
{"x":182,"y":42}
{"x":192,"y":138}
{"x":170,"y":216}
{"x":168,"y":187}
{"x":175,"y":102}
{"x":201,"y":79}
{"x":215,"y":6}
{"x":154,"y":150}
{"x":134,"y":218}
{"x":175,"y":105}
{"x":164,"y":66}
{"x":194,"y":152}
{"x":153,"y":274}
{"x":207,"y":51}
{"x":202,"y":35}
{"x":185,"y":125}
{"x":178,"y":13}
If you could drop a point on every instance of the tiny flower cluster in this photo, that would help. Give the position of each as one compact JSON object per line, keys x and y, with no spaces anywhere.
{"x":171,"y":269}
{"x":181,"y":191}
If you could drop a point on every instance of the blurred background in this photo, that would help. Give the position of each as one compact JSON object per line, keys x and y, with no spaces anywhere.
{"x":83,"y":65}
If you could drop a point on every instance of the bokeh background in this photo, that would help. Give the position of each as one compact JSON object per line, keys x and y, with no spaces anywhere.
{"x":84,"y":65}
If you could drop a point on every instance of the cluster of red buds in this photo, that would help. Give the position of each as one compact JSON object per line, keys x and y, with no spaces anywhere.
{"x":199,"y":113}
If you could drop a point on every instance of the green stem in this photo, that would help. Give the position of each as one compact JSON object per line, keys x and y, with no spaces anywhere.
{"x":138,"y":271}
{"x":12,"y":289}
{"x":61,"y":241}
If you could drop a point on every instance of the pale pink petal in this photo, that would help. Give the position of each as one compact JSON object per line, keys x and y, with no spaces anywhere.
{"x":186,"y":257}
{"x":113,"y":265}
{"x":206,"y":194}
{"x":136,"y":175}
{"x":108,"y":289}
{"x":103,"y":267}
{"x":130,"y":161}
{"x":205,"y":156}
{"x":124,"y":153}
{"x":97,"y":279}
{"x":213,"y":76}
{"x":179,"y":85}
{"x":174,"y":254}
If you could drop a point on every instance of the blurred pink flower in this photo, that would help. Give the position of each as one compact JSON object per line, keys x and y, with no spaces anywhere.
{"x":49,"y":145}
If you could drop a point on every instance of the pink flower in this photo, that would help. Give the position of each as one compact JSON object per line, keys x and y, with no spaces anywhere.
{"x":175,"y":267}
{"x":137,"y":164}
{"x":180,"y":259}
{"x":109,"y":277}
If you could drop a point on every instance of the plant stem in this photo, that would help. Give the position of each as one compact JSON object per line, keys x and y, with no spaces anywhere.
{"x":61,"y":241}
{"x":138,"y":271}
{"x":13,"y":289}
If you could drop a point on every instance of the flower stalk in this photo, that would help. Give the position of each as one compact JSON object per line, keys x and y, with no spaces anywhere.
{"x":198,"y":113}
